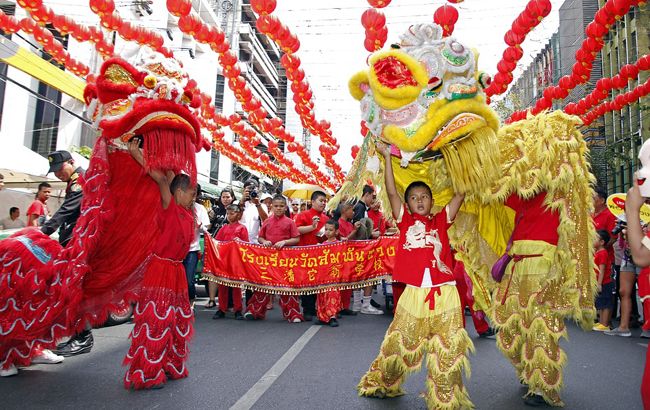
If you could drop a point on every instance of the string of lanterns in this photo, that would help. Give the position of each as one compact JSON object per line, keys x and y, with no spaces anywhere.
{"x":604,"y":18}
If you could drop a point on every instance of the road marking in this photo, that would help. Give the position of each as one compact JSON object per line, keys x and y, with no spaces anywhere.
{"x":643,"y":344}
{"x":254,"y":393}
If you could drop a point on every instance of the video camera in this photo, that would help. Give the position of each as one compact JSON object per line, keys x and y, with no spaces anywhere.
{"x":620,"y":225}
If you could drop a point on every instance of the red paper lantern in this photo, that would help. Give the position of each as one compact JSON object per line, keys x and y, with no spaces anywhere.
{"x":630,"y":71}
{"x":102,"y":7}
{"x":619,"y":7}
{"x":505,"y":66}
{"x":446,"y":17}
{"x":263,"y":7}
{"x":379,"y":4}
{"x":179,"y":7}
{"x":566,"y":83}
{"x":513,"y":39}
{"x":603,"y":18}
{"x":513,"y":53}
{"x":595,"y":29}
{"x":373,"y":19}
{"x":111,"y":22}
{"x":354,"y":151}
{"x":190,"y":24}
{"x":644,"y":63}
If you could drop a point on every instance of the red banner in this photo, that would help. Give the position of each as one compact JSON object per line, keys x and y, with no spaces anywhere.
{"x":299,"y":270}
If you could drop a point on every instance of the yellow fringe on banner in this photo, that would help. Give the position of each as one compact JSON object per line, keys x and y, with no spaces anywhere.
{"x":279,"y":290}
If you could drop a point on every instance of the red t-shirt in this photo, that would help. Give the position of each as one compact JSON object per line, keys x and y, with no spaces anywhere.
{"x":602,"y":258}
{"x":276,"y":229}
{"x":231,"y":231}
{"x":305,"y":219}
{"x":606,"y":220}
{"x":533,"y":220}
{"x":345,"y":228}
{"x":37,"y":208}
{"x":378,"y":220}
{"x":176,"y":232}
{"x":423,"y":243}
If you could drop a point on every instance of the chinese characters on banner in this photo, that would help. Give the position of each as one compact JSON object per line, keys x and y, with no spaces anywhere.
{"x":299,"y":270}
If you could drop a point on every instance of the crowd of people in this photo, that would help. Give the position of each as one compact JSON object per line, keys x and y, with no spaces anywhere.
{"x":278,"y":222}
{"x":617,"y":275}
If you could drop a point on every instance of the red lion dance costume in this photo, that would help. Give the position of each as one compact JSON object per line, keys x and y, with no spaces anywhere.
{"x":50,"y":292}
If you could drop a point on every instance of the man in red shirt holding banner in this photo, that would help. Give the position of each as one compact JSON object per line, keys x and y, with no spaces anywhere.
{"x":310,"y":224}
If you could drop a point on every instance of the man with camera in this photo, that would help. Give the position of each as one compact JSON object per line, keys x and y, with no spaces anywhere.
{"x":253,"y":211}
{"x":640,"y":248}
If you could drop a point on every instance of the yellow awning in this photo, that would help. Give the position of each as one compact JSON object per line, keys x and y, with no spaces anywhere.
{"x":32,"y":64}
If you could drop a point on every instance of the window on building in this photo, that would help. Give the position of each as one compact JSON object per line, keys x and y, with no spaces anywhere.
{"x":46,"y":120}
{"x":219,"y":92}
{"x":46,"y":117}
{"x":633,"y":48}
{"x":214,"y":167}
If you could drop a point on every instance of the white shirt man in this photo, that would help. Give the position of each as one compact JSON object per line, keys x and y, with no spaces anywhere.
{"x":203,"y":223}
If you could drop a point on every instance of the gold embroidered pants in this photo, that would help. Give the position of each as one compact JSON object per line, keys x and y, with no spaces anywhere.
{"x":529,"y":329}
{"x":426,"y":321}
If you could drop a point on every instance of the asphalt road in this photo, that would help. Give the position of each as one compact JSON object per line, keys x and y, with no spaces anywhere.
{"x":242,"y":361}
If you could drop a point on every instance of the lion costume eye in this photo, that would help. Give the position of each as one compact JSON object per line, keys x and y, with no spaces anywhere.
{"x":393,"y":73}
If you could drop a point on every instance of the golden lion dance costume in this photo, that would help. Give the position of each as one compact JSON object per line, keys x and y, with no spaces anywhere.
{"x":51,"y":292}
{"x":425,"y":98}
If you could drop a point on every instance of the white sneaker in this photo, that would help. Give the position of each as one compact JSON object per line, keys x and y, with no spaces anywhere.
{"x":356,"y":307}
{"x":296,"y":320}
{"x":47,"y":357}
{"x":11,"y":371}
{"x":645,"y":334}
{"x":369,"y":310}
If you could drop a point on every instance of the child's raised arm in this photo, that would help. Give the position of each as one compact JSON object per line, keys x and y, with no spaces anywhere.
{"x":389,"y":178}
{"x":454,"y":206}
{"x":163,"y":180}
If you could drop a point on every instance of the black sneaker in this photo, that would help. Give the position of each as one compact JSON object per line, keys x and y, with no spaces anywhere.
{"x":249,"y":316}
{"x":78,"y":344}
{"x":374,"y":304}
{"x":333,"y":323}
{"x":535,"y":400}
{"x":218,"y":315}
{"x":238,"y":315}
{"x":488,"y":334}
{"x":308,"y":317}
{"x":348,"y":312}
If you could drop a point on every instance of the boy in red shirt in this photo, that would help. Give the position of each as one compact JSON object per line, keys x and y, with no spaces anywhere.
{"x":278,"y":231}
{"x":428,"y":317}
{"x":604,"y":280}
{"x":163,"y":316}
{"x":310,"y":224}
{"x":37,"y":212}
{"x":329,"y":302}
{"x":233,"y":230}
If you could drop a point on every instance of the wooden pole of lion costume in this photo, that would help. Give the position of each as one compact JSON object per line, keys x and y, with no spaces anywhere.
{"x":425,"y":98}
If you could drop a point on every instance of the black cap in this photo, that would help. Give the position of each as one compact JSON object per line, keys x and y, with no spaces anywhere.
{"x":57,"y":159}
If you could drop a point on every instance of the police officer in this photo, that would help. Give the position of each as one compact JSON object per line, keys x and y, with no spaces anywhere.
{"x":65,"y":219}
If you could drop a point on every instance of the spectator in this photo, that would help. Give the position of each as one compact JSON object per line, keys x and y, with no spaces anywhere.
{"x":604,"y":281}
{"x":65,"y":219}
{"x":295,"y":208}
{"x":37,"y":213}
{"x":13,"y":222}
{"x":253,"y":211}
{"x":329,"y":302}
{"x":310,"y":224}
{"x":303,"y":207}
{"x":604,"y":219}
{"x":266,"y":199}
{"x":218,"y":213}
{"x":231,"y":231}
{"x":277,"y":231}
{"x":192,"y":258}
{"x":219,"y":220}
{"x":640,"y":250}
{"x":368,"y":196}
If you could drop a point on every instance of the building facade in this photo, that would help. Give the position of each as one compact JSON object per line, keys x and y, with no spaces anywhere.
{"x":627,"y":129}
{"x":36,"y":118}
